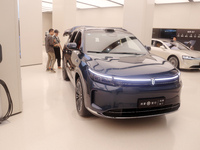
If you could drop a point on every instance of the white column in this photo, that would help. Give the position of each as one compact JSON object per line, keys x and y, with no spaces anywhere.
{"x":31,"y":31}
{"x":138,"y":19}
{"x":64,"y":16}
{"x":10,"y":65}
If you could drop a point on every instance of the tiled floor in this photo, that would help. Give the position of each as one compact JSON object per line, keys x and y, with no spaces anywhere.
{"x":49,"y":120}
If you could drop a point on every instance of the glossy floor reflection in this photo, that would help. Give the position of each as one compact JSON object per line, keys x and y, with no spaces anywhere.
{"x":49,"y":120}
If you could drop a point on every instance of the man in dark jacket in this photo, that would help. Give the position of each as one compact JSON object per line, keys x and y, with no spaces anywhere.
{"x":49,"y":45}
{"x":57,"y":47}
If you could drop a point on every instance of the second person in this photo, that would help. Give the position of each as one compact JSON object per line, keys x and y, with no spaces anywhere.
{"x":57,"y":48}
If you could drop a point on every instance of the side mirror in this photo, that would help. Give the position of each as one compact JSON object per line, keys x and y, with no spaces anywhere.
{"x":72,"y":45}
{"x":148,"y":48}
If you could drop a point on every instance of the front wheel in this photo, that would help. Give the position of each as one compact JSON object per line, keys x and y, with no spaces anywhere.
{"x":80,"y":106}
{"x":174,"y":61}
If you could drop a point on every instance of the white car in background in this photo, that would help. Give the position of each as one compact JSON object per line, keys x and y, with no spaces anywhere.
{"x":177,"y":53}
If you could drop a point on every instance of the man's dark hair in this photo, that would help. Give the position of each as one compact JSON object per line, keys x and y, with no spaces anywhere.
{"x":56,"y":31}
{"x":50,"y":30}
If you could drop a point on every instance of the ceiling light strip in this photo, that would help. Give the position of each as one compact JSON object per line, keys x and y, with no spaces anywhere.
{"x":47,"y":2}
{"x":115,"y":2}
{"x":88,"y":4}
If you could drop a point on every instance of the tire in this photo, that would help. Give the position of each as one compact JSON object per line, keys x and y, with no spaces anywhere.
{"x":80,"y":105}
{"x":174,"y":61}
{"x":64,"y":72}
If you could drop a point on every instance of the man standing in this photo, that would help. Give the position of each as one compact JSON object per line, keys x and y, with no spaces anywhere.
{"x":174,"y":39}
{"x":49,"y":44}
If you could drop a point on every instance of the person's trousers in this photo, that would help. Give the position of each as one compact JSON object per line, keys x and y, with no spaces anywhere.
{"x":51,"y":60}
{"x":58,"y":56}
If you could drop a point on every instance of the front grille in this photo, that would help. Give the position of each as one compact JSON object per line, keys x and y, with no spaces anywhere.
{"x":140,"y":112}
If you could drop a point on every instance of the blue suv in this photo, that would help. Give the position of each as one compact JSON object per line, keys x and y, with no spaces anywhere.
{"x":115,"y":76}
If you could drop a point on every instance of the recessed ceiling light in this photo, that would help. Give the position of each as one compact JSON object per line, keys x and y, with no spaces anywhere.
{"x":49,"y":1}
{"x":84,"y":6}
{"x":118,"y":1}
{"x":170,"y":1}
{"x":46,"y":5}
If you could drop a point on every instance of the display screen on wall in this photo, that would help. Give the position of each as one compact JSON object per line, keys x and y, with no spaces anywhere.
{"x":190,"y":37}
{"x":164,"y":33}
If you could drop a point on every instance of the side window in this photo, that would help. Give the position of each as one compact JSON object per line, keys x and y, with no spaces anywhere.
{"x":78,"y":40}
{"x":152,"y":43}
{"x":158,"y":44}
{"x":73,"y":36}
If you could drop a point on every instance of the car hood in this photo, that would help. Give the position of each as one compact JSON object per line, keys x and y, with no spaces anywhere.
{"x":192,"y":53}
{"x":128,"y":65}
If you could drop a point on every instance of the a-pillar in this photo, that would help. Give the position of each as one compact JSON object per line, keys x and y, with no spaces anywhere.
{"x":64,"y":16}
{"x":138,"y":19}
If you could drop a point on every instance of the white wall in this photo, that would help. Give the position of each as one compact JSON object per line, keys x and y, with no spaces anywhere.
{"x":185,"y":15}
{"x":46,"y":23}
{"x":10,"y":66}
{"x":105,"y":17}
{"x":110,"y":17}
{"x":31,"y":31}
{"x":138,"y":19}
{"x":64,"y":16}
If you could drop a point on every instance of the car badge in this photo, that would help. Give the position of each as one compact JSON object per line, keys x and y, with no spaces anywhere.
{"x":153,"y":81}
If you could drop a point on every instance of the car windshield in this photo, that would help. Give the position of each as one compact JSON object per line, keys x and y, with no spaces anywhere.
{"x":115,"y":42}
{"x":176,"y":46}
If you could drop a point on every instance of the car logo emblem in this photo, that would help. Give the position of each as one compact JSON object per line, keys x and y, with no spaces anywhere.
{"x":153,"y":81}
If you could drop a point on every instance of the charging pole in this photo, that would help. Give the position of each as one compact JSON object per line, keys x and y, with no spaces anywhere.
{"x":10,"y":72}
{"x":0,"y":89}
{"x":0,"y":107}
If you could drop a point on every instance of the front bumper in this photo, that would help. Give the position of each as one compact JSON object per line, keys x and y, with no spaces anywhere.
{"x":136,"y":113}
{"x":190,"y":64}
{"x":121,"y":102}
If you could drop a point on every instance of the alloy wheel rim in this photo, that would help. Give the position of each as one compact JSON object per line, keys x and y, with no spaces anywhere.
{"x":79,"y":96}
{"x":174,"y":62}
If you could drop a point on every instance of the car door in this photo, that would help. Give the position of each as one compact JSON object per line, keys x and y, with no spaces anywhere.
{"x":159,"y":49}
{"x":67,"y":52}
{"x":75,"y":55}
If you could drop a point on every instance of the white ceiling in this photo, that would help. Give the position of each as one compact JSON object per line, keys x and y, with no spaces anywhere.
{"x":174,"y":1}
{"x":87,"y":4}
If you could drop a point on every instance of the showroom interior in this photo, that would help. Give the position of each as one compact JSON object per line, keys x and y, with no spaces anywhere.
{"x":38,"y":111}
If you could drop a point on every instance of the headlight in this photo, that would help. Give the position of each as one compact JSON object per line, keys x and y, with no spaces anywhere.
{"x":102,"y":78}
{"x":179,"y":76}
{"x":187,"y":57}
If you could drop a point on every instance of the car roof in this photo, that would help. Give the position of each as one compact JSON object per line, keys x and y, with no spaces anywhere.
{"x":69,"y":31}
{"x":162,"y":39}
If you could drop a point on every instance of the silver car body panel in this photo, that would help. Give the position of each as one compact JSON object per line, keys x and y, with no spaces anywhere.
{"x":165,"y":52}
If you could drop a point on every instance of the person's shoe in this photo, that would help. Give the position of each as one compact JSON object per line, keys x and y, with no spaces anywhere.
{"x":48,"y":69}
{"x":53,"y":71}
{"x":59,"y":67}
